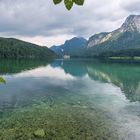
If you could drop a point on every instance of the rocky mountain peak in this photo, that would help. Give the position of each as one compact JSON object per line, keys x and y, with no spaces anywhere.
{"x":132,"y":23}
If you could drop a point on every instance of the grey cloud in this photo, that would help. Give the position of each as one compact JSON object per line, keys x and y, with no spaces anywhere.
{"x":131,"y":6}
{"x":41,"y":17}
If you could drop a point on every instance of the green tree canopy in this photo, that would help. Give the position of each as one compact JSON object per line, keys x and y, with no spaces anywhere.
{"x":69,"y":3}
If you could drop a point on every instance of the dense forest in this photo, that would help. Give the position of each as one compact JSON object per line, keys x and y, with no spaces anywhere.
{"x":14,"y":48}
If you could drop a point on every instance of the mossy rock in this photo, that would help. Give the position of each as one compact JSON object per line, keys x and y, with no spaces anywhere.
{"x":39,"y":133}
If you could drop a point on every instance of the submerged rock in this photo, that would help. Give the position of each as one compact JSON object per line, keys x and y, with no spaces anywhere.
{"x":39,"y":133}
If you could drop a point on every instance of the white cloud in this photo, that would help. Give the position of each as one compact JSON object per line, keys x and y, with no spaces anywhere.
{"x":42,"y":40}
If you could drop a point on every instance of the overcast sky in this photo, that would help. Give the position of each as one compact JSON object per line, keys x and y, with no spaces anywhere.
{"x":40,"y":22}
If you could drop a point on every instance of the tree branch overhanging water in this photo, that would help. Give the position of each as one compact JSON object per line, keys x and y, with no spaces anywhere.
{"x":2,"y":81}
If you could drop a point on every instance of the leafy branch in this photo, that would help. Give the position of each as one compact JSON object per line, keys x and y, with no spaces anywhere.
{"x":2,"y":81}
{"x":69,"y":3}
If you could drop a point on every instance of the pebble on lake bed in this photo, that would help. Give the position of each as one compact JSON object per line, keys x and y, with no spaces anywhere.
{"x":39,"y":133}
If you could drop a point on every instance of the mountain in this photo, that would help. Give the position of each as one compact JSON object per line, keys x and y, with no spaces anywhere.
{"x":14,"y":48}
{"x":71,"y":47}
{"x":124,"y":41}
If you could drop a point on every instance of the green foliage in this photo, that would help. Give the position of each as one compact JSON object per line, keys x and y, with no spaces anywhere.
{"x":69,"y":3}
{"x":57,"y":1}
{"x":2,"y":81}
{"x":13,"y":48}
{"x":79,"y":2}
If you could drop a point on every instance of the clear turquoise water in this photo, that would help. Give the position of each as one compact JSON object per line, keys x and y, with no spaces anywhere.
{"x":70,"y":99}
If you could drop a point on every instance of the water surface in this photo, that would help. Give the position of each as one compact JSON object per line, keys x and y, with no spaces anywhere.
{"x":70,"y":99}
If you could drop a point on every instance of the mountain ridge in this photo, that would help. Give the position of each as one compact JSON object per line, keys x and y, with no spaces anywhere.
{"x":122,"y":41}
{"x":71,"y":47}
{"x":130,"y":24}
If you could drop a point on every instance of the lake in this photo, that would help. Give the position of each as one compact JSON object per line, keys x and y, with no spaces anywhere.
{"x":69,"y":100}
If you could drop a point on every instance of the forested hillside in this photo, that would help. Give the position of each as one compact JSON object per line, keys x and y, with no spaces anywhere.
{"x":14,"y":48}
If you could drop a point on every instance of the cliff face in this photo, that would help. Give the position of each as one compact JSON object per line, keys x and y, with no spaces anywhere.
{"x":125,"y":38}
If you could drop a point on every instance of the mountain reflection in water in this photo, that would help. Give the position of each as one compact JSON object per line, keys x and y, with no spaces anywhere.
{"x":124,"y":75}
